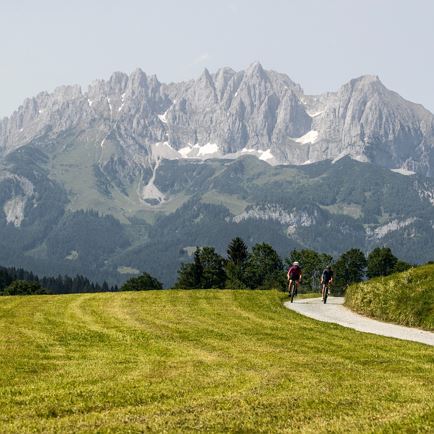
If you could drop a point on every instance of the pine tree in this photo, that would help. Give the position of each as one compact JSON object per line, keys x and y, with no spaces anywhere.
{"x":237,"y":251}
{"x":143,"y":282}
{"x":213,"y":273}
{"x":197,"y":269}
{"x":264,"y":268}
{"x":206,"y":271}
{"x":381,"y":262}
{"x":350,"y":268}
{"x":236,"y":263}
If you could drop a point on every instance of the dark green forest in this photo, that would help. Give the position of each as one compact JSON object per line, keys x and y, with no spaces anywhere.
{"x":241,"y":268}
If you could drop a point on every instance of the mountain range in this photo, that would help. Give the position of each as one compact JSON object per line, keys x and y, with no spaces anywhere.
{"x":132,"y":173}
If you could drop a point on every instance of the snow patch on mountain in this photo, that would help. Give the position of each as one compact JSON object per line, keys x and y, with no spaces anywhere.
{"x":209,"y":148}
{"x":315,"y":114}
{"x":310,"y":137}
{"x":185,"y":151}
{"x":163,"y":117}
{"x":266,"y":155}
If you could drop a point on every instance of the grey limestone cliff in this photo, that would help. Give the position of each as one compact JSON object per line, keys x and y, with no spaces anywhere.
{"x":134,"y":120}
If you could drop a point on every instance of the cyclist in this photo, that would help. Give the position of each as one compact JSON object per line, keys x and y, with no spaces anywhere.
{"x":294,"y":275}
{"x":326,"y":279}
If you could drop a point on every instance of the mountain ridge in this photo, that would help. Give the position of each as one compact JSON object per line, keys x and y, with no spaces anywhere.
{"x":252,"y":111}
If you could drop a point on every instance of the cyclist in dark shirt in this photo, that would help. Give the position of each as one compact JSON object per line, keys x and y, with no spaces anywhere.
{"x":326,"y":279}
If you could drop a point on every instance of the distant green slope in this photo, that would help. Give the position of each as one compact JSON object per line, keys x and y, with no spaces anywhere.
{"x":405,"y":298}
{"x":326,"y":206}
{"x":206,"y":361}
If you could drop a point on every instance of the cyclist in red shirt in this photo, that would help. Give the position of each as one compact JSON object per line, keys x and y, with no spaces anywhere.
{"x":294,"y":274}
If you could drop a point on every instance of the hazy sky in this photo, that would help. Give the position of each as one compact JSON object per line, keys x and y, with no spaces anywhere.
{"x":319,"y":43}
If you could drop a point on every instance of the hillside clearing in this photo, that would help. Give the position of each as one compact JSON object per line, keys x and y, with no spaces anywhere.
{"x":201,"y":361}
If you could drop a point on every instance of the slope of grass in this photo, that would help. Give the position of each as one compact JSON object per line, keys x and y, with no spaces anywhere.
{"x":404,"y":298}
{"x":213,"y":361}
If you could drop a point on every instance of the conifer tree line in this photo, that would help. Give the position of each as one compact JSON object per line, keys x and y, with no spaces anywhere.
{"x":258,"y":268}
{"x":17,"y":281}
{"x":262,"y":268}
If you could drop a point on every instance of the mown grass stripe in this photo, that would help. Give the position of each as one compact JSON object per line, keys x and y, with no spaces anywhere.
{"x":201,"y":361}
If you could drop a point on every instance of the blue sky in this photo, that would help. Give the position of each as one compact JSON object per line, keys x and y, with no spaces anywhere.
{"x":319,"y":43}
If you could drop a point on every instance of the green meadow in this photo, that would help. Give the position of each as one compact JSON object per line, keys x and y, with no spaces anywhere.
{"x":201,"y":361}
{"x":405,"y":298}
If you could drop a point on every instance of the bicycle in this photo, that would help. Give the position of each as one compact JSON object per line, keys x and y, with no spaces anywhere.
{"x":325,"y":292}
{"x":292,"y":289}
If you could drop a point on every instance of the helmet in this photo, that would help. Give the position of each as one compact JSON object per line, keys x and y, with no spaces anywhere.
{"x":295,"y":263}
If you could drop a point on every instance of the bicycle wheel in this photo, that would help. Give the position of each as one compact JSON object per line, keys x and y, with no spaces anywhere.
{"x":292,"y":291}
{"x":326,"y":293}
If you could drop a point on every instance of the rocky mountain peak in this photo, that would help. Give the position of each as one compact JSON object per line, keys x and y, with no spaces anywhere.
{"x":138,"y":78}
{"x":222,"y":79}
{"x":118,"y":82}
{"x":367,"y":79}
{"x":256,"y":70}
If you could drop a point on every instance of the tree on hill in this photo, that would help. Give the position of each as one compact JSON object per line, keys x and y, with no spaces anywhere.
{"x":206,"y":271}
{"x":235,"y":264}
{"x":144,"y":282}
{"x":186,"y":277}
{"x":381,"y":262}
{"x":5,"y":278}
{"x":197,"y":268}
{"x":24,"y":287}
{"x":264,"y":268}
{"x":401,"y":266}
{"x":350,"y":268}
{"x":312,"y":265}
{"x":237,"y":251}
{"x":213,"y":274}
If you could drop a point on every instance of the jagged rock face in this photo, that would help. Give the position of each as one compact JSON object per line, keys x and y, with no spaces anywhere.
{"x":225,"y":114}
{"x":366,"y":120}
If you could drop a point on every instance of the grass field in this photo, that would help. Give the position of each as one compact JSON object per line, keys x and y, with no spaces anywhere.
{"x":404,"y":298}
{"x":196,"y":361}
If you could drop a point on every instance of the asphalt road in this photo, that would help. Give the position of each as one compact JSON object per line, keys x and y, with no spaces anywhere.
{"x":335,"y":312}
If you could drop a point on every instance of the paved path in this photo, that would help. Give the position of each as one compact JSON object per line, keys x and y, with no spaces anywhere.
{"x":334,"y":312}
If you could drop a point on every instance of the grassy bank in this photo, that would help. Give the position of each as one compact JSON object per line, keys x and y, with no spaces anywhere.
{"x":201,"y":361}
{"x":404,"y":298}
